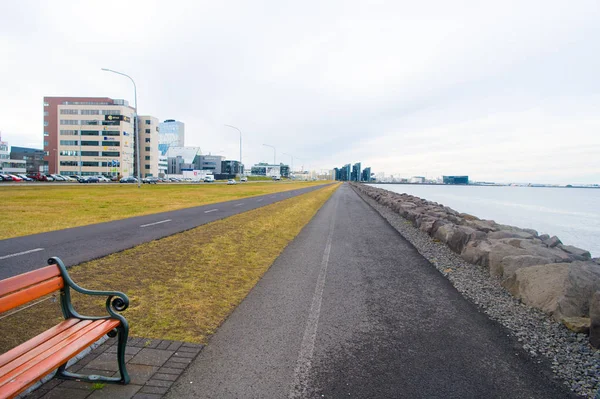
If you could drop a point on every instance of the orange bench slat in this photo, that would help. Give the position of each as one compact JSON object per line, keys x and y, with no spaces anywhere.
{"x":36,"y":341}
{"x":19,"y":379}
{"x":24,"y":280}
{"x":30,"y":293}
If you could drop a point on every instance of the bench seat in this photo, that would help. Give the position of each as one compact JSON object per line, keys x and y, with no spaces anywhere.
{"x":22,"y":365}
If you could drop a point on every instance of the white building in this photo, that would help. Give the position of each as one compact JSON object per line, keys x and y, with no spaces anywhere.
{"x":8,"y":165}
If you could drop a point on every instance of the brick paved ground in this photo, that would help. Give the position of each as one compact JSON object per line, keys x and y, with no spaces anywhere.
{"x":153,"y":366}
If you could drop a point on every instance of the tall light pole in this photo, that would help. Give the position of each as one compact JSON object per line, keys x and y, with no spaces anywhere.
{"x":233,"y":127}
{"x":274,"y":153}
{"x":135,"y":123}
{"x":292,"y":168}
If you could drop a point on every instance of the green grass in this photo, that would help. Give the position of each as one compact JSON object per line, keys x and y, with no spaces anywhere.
{"x":37,"y":209}
{"x":184,"y":286}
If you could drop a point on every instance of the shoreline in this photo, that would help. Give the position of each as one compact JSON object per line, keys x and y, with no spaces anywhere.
{"x":569,"y":354}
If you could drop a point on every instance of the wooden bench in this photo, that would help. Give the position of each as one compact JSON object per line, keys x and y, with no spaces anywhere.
{"x":29,"y":362}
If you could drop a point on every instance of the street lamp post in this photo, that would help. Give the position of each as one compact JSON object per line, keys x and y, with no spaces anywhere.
{"x":135,"y":124}
{"x":233,"y":127}
{"x":291,"y":156}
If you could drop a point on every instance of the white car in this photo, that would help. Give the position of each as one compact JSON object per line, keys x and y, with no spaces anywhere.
{"x":231,"y":181}
{"x":243,"y":179}
{"x":103,"y":179}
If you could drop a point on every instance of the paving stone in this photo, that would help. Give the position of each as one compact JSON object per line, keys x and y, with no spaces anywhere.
{"x":189,"y":355}
{"x":159,"y":383}
{"x":166,"y":377}
{"x":154,"y":390}
{"x":190,"y":345}
{"x":175,"y":365}
{"x":65,"y":393}
{"x":188,"y":350}
{"x":129,"y":350}
{"x":178,"y":359}
{"x":151,"y":357}
{"x":140,"y":395}
{"x":140,"y":373}
{"x":72,"y":384}
{"x":135,"y":341}
{"x":174,"y":345}
{"x":151,"y":343}
{"x":163,"y":345}
{"x":107,"y":361}
{"x":112,"y":391}
{"x":166,"y":370}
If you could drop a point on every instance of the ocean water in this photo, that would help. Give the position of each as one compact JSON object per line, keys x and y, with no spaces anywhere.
{"x":571,"y":214}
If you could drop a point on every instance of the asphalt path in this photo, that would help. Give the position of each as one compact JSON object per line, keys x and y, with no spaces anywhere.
{"x":79,"y":244}
{"x":351,"y":309}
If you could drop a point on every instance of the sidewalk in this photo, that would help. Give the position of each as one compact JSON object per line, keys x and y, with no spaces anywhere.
{"x":153,"y":366}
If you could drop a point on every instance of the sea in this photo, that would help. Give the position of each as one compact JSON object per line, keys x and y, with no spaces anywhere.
{"x":571,"y":214}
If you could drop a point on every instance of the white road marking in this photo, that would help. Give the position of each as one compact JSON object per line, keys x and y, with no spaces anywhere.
{"x":21,"y":253}
{"x":152,"y":224}
{"x":240,"y":204}
{"x":212,"y":210}
{"x":307,"y":347}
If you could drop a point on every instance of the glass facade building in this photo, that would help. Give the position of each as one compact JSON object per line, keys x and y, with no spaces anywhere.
{"x":171,"y":133}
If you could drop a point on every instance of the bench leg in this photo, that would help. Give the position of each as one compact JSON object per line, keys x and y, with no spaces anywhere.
{"x":123,"y":378}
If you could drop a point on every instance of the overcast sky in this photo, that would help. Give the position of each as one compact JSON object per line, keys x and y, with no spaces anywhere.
{"x":502,"y":91}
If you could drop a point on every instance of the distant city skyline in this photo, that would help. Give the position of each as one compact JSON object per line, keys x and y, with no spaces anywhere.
{"x":500,"y":91}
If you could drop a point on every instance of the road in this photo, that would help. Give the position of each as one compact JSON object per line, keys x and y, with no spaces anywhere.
{"x":351,"y":309}
{"x":75,"y":245}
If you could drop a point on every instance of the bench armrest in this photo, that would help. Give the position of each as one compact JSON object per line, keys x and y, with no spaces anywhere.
{"x":116,"y":301}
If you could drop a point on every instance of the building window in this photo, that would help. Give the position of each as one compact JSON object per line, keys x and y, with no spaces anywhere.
{"x":89,"y":143}
{"x":147,"y":148}
{"x":46,"y":104}
{"x":111,"y":123}
{"x":69,"y":153}
{"x":69,"y":142}
{"x":89,"y":153}
{"x":90,"y":122}
{"x":66,"y":122}
{"x":111,"y":153}
{"x":69,"y":163}
{"x":111,"y":112}
{"x":45,"y":123}
{"x":111,"y":143}
{"x":46,"y":134}
{"x":147,"y":139}
{"x":69,"y":112}
{"x":87,"y":163}
{"x":45,"y":113}
{"x":90,"y":133}
{"x":90,"y":112}
{"x":45,"y":144}
{"x":147,"y":166}
{"x":147,"y":157}
{"x":148,"y":131}
{"x":69,"y":133}
{"x":111,"y":133}
{"x":148,"y":122}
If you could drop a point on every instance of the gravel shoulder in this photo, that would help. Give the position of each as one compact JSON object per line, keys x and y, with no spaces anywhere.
{"x":571,"y":357}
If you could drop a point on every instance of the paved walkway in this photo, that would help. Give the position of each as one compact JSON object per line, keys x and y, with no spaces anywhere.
{"x":349,"y":309}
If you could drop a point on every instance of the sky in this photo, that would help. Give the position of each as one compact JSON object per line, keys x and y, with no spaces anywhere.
{"x":504,"y":91}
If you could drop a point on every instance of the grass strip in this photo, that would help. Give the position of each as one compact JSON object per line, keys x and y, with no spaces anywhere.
{"x":41,"y":208}
{"x":184,"y":286}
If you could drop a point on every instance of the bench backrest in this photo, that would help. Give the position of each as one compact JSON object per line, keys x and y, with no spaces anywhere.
{"x":18,"y":290}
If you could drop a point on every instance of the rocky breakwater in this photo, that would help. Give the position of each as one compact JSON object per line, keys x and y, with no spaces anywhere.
{"x":561,"y":280}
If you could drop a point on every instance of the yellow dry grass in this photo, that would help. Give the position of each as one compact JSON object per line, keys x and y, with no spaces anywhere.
{"x":37,"y":209}
{"x":184,"y":286}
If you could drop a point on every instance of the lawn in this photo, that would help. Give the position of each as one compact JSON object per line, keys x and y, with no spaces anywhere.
{"x":184,"y":286}
{"x":37,"y":209}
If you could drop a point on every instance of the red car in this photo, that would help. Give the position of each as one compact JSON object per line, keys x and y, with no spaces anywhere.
{"x":16,"y":178}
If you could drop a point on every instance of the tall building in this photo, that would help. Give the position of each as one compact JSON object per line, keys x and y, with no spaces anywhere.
{"x":149,"y":132}
{"x":171,"y":134}
{"x":355,"y":175}
{"x":455,"y":179}
{"x":366,"y":174}
{"x":88,"y":136}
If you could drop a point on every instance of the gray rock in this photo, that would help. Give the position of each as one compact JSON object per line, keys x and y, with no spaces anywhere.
{"x":552,"y":242}
{"x":579,"y":254}
{"x":544,"y":237}
{"x":583,"y":281}
{"x":595,"y":320}
{"x":510,"y":234}
{"x":477,"y":252}
{"x":500,"y":250}
{"x":486,"y":226}
{"x":510,"y":264}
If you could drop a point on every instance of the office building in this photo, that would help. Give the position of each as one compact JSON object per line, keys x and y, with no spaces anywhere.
{"x":148,"y":130}
{"x":231,"y":167}
{"x":88,"y":136}
{"x":212,"y":163}
{"x":455,"y":179}
{"x":355,"y":174}
{"x":366,"y":175}
{"x":7,"y":164}
{"x":181,"y":158}
{"x":33,"y":157}
{"x":265,"y":169}
{"x":171,"y":134}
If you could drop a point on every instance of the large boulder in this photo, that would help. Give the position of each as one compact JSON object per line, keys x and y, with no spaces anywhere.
{"x":510,"y":234}
{"x":577,"y":253}
{"x":595,"y":320}
{"x":510,"y":264}
{"x":561,"y":289}
{"x":552,"y":242}
{"x":486,"y":226}
{"x":500,"y":250}
{"x":477,"y":252}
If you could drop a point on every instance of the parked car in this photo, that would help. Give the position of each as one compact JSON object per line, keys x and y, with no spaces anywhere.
{"x":16,"y":178}
{"x":231,"y":181}
{"x":67,"y":178}
{"x":58,"y":177}
{"x":276,"y":177}
{"x":75,"y":177}
{"x":209,"y":179}
{"x":150,"y":180}
{"x":6,"y":177}
{"x":103,"y":179}
{"x":244,"y":179}
{"x":89,"y":179}
{"x":128,"y":180}
{"x":25,"y":178}
{"x":49,"y":177}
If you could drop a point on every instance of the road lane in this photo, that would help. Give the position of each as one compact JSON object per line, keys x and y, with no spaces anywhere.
{"x":79,"y":244}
